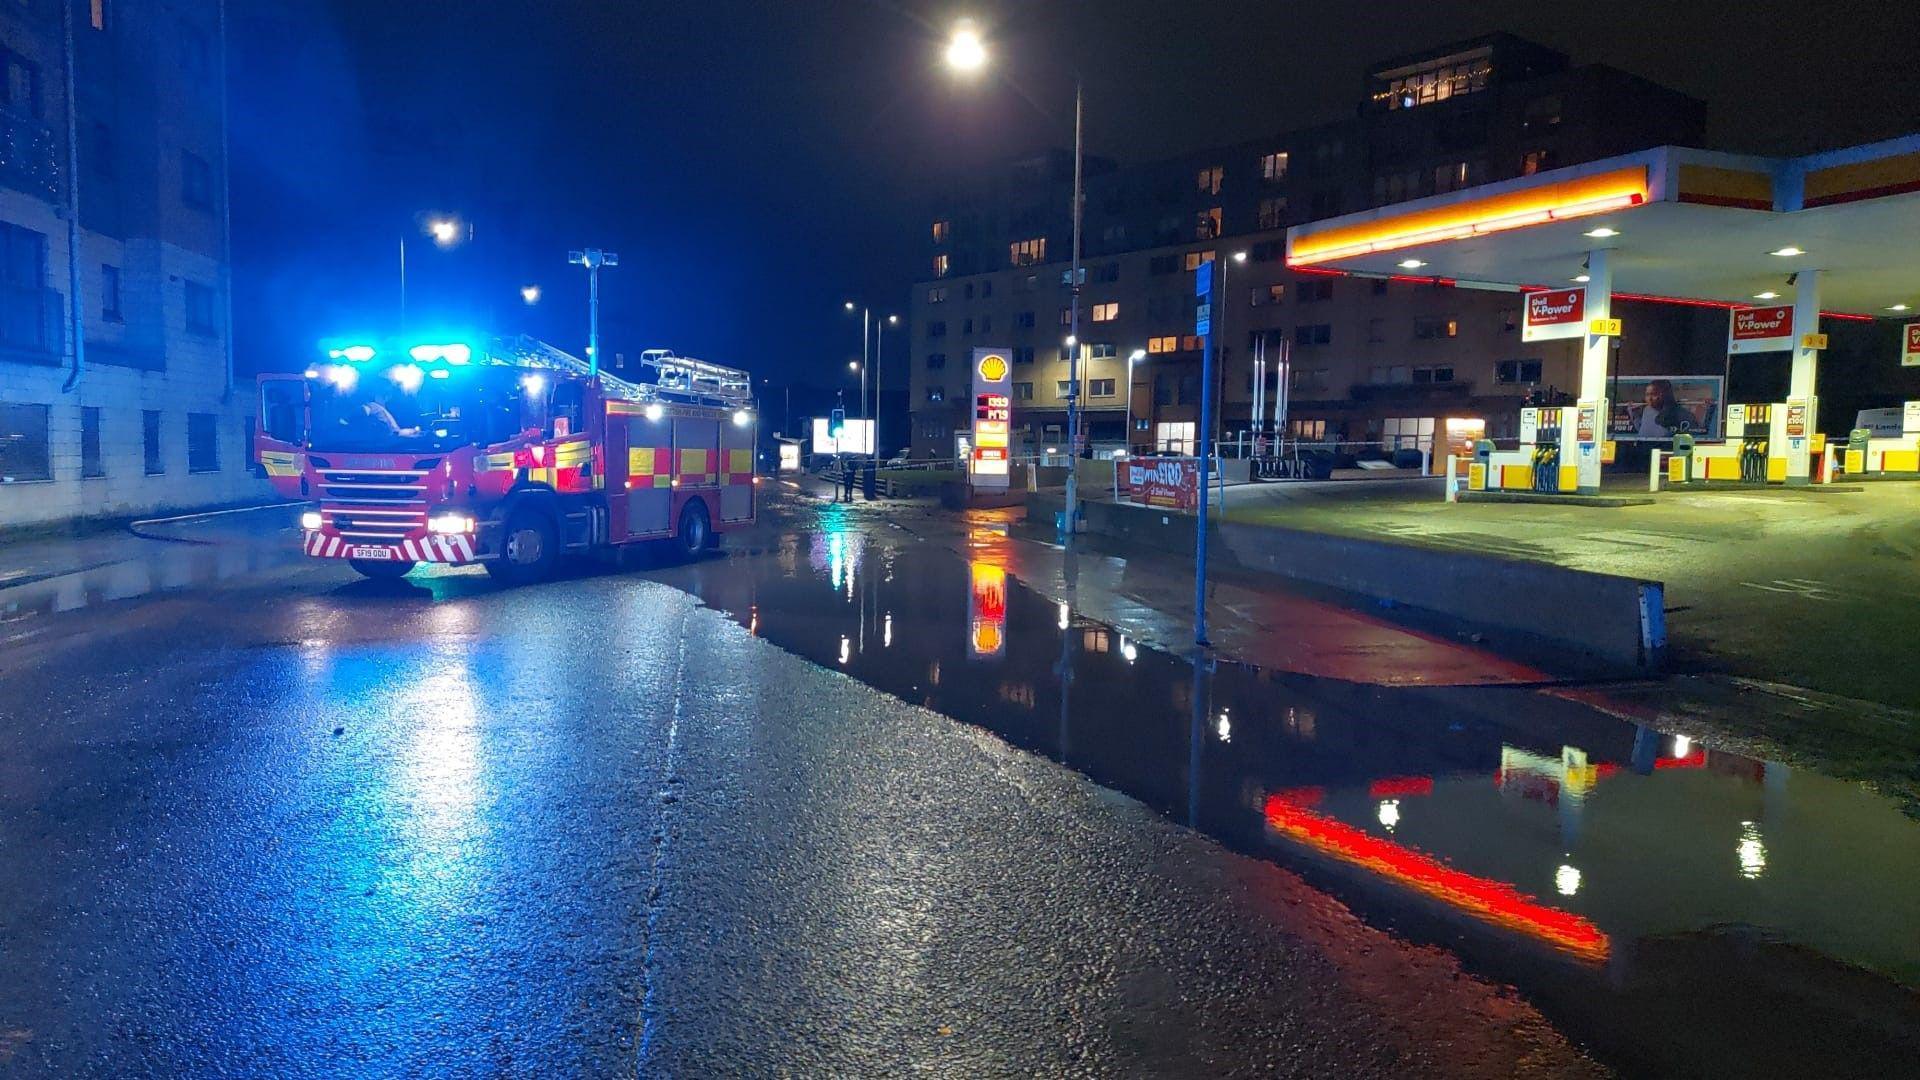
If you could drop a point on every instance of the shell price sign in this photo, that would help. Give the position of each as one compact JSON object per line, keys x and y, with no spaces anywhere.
{"x":991,"y":455}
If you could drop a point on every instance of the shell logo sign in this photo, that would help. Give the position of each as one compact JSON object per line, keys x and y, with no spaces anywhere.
{"x":990,"y":451}
{"x":993,"y":368}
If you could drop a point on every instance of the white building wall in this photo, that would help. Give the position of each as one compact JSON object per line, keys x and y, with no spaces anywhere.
{"x":153,"y":277}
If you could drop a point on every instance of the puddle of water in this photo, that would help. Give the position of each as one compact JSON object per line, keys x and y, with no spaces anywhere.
{"x":1672,"y":905}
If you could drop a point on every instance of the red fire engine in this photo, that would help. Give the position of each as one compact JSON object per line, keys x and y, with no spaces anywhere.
{"x":508,"y":454}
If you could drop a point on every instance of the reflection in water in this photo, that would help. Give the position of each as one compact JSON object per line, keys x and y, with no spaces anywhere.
{"x":1533,"y":833}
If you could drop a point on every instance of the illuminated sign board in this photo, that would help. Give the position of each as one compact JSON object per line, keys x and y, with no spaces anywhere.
{"x":988,"y":460}
{"x":1910,"y":345}
{"x":1552,"y":314}
{"x":1759,"y":329}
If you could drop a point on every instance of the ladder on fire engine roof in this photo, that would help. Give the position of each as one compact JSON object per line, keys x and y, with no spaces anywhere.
{"x":680,"y":378}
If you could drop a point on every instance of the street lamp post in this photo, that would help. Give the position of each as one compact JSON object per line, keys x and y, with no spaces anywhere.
{"x":879,"y":368}
{"x":967,"y":53}
{"x":447,"y":232}
{"x":1126,"y":436}
{"x":593,"y":259}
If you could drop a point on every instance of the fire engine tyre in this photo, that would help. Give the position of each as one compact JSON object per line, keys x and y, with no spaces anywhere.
{"x":696,"y":532}
{"x":529,"y":548}
{"x":382,"y":569}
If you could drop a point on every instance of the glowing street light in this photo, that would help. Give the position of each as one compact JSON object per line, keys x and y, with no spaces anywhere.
{"x":965,"y":51}
{"x":530,"y":293}
{"x":445,"y":231}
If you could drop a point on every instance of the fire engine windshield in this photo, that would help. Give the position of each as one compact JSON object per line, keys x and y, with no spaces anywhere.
{"x":370,"y":409}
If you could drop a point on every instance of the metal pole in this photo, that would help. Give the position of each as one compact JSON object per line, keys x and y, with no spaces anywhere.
{"x":1073,"y":322}
{"x":76,"y":303}
{"x":403,"y":284}
{"x":593,"y":315}
{"x":866,"y":317}
{"x":1205,"y":436}
{"x":879,"y":332}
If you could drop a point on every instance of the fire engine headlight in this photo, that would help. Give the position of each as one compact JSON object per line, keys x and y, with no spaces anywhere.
{"x":310,"y":520}
{"x":450,"y":524}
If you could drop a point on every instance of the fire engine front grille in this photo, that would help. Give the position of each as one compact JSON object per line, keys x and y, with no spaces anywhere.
{"x":370,"y":505}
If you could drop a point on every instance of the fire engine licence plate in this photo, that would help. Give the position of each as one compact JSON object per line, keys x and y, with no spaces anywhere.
{"x":372,"y":553}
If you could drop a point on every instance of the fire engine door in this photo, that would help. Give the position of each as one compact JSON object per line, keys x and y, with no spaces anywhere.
{"x":281,"y":430}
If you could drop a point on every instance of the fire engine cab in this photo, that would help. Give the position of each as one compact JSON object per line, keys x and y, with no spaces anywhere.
{"x":509,"y":453}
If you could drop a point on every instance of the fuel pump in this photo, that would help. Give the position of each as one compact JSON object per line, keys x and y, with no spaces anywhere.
{"x":1546,"y":453}
{"x":1753,"y":444}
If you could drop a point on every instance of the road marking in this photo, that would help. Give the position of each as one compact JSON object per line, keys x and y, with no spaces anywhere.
{"x":1807,"y":588}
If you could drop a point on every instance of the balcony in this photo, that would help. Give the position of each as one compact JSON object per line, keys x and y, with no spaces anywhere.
{"x":29,"y":156}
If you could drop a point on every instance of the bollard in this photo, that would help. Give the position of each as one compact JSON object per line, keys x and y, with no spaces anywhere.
{"x":1654,"y":473}
{"x":1453,"y":480}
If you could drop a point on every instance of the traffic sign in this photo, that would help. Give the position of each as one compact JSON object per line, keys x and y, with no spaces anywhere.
{"x":1203,"y":280}
{"x":1203,"y":319}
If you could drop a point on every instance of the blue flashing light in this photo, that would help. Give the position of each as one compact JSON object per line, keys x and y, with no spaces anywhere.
{"x":356,"y":353}
{"x":455,"y":353}
{"x":440,"y":373}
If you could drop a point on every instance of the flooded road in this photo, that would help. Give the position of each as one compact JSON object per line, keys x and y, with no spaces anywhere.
{"x":1675,"y":907}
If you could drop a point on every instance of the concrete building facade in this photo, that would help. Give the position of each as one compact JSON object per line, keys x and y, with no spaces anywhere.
{"x":127,"y":404}
{"x":1381,"y":360}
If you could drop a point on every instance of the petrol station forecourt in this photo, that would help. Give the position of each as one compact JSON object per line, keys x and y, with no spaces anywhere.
{"x":1809,"y":541}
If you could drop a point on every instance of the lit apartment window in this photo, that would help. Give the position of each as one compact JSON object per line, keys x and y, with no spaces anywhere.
{"x":1273,"y":167}
{"x":1195,"y":258}
{"x":1190,"y":343}
{"x":1174,"y":437}
{"x":1206,"y":224}
{"x":1537,"y":161}
{"x":941,"y":265}
{"x":1428,"y":329}
{"x":1167,"y":344}
{"x":1208,"y":180}
{"x":942,"y":231}
{"x":1027,"y":252}
{"x":1276,"y":292}
{"x":97,"y":14}
{"x":1307,"y":430}
{"x":937,"y":295}
{"x":1437,"y":83}
{"x":1106,"y":312}
{"x":1273,"y":212}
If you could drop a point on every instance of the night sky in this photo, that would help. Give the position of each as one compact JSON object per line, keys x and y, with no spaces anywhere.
{"x":757,"y":163}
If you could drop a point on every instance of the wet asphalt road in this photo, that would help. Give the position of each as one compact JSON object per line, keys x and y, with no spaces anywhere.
{"x":281,"y":822}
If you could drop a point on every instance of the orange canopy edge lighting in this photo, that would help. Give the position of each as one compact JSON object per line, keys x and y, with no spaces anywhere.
{"x":1537,"y":205}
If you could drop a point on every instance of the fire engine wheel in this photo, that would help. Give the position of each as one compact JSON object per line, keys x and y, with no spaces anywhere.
{"x":529,"y":548}
{"x":382,"y":569}
{"x":696,"y":533}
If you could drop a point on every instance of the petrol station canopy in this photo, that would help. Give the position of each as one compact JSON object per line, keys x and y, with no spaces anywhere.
{"x":1679,"y":224}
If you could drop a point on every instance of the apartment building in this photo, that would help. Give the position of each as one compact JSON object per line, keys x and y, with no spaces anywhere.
{"x":1388,"y":360}
{"x":116,"y":396}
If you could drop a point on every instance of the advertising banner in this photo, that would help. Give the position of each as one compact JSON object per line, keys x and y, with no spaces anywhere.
{"x":1910,"y":345}
{"x":1652,"y":407}
{"x":989,"y":464}
{"x":1759,"y":329}
{"x":1552,"y":314}
{"x":1173,"y":483}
